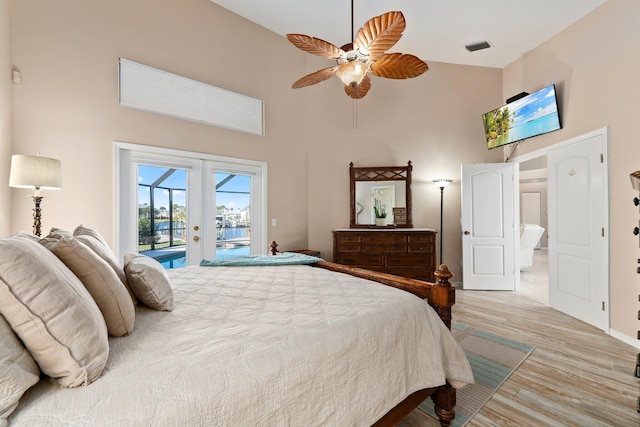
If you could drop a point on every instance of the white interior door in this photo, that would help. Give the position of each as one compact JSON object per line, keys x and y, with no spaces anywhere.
{"x":490,"y":227}
{"x":578,"y":231}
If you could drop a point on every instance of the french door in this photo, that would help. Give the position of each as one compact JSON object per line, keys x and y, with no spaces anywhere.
{"x":180,"y":207}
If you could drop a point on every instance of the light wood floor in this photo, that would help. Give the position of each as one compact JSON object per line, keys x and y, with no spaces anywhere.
{"x":576,"y":376}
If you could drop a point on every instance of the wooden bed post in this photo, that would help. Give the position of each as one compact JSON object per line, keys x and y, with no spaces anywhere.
{"x":444,"y":295}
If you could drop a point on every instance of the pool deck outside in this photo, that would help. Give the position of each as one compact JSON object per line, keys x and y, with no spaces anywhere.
{"x":177,"y":251}
{"x":164,"y":253}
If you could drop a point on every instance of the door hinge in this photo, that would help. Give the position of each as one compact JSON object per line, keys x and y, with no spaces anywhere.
{"x":603,"y":306}
{"x":601,"y":158}
{"x":602,"y":231}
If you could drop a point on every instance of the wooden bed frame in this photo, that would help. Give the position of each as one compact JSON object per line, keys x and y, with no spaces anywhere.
{"x":441,"y":296}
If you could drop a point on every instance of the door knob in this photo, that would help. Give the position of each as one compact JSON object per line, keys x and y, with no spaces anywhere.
{"x":196,"y":238}
{"x":466,"y":233}
{"x":196,"y":228}
{"x":636,"y":231}
{"x":636,"y":201}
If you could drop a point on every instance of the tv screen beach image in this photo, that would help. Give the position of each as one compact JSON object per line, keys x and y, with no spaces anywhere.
{"x":524,"y":118}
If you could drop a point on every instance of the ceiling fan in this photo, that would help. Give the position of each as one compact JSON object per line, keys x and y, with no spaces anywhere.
{"x":366,"y":55}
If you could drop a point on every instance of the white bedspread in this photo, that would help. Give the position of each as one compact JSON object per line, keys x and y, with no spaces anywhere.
{"x":262,"y":346}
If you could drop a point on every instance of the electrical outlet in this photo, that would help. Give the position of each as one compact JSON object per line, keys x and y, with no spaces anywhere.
{"x":274,"y":222}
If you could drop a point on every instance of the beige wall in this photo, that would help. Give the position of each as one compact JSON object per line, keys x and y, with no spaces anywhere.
{"x":67,"y":108}
{"x":67,"y":105}
{"x":434,"y":121}
{"x":6,"y":115}
{"x":595,"y":65}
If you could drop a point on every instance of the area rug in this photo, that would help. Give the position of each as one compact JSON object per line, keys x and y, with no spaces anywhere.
{"x":493,"y":359}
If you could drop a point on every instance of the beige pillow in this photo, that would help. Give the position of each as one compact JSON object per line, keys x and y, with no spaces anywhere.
{"x":149,"y":281}
{"x":26,"y":235}
{"x":18,"y":370}
{"x":100,"y":280}
{"x":57,"y":232}
{"x":52,"y":313}
{"x":96,"y":242}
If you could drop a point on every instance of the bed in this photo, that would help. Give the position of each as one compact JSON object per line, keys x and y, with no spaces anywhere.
{"x":317,"y":344}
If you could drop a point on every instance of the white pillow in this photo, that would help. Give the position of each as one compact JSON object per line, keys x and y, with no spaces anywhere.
{"x":52,"y":313}
{"x":96,"y":242}
{"x":149,"y":281}
{"x":100,"y":280}
{"x":26,"y":235}
{"x":18,"y":370}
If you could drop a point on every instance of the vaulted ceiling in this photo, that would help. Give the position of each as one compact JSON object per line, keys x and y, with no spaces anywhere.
{"x":437,"y":30}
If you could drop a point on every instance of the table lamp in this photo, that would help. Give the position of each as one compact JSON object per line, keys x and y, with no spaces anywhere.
{"x":38,"y":173}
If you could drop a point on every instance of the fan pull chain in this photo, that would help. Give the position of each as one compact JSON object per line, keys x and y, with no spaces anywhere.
{"x":355,"y":114}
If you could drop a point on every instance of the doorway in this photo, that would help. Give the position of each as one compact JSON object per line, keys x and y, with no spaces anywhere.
{"x":534,"y":278}
{"x":180,"y":207}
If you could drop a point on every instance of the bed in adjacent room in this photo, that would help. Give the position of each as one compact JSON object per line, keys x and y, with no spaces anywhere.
{"x":254,"y":345}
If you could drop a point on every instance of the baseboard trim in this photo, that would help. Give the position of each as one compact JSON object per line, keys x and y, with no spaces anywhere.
{"x":625,"y":338}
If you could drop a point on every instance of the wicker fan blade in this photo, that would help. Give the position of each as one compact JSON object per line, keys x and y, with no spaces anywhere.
{"x":317,"y":77}
{"x":316,"y":46}
{"x":360,"y":90}
{"x":398,"y":66}
{"x":379,"y":34}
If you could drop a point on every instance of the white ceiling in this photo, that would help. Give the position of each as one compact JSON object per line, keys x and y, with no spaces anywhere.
{"x":437,"y":30}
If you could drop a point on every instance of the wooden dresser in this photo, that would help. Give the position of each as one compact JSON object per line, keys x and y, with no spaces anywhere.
{"x":408,"y":252}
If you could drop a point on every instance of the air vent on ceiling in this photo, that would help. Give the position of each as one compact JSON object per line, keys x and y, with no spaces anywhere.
{"x":478,"y":46}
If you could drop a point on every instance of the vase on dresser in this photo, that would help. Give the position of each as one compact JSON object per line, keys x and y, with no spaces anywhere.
{"x":381,"y":222}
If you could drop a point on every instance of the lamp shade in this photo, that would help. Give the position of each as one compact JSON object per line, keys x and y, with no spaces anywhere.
{"x":442,"y":182}
{"x":35,"y":172}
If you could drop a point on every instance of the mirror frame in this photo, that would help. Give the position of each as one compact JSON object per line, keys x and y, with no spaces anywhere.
{"x":380,"y":173}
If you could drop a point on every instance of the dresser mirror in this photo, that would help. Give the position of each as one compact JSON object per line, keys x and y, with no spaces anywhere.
{"x":385,"y":190}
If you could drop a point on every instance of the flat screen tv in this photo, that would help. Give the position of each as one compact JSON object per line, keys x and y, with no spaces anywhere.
{"x":530,"y":116}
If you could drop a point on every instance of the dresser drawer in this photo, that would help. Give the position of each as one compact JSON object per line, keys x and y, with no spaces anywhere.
{"x":427,"y":239}
{"x":417,"y":248}
{"x":345,"y":247}
{"x":384,"y":249}
{"x":410,"y":260}
{"x":348,"y":238}
{"x":372,"y":238}
{"x":361,"y":259}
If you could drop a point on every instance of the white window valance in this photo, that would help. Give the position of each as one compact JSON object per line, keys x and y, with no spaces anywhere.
{"x":156,"y":91}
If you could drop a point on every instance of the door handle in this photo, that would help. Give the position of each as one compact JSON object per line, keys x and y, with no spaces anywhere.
{"x":466,"y":233}
{"x":196,"y":238}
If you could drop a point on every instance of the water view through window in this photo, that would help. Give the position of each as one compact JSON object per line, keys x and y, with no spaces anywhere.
{"x":162,"y":214}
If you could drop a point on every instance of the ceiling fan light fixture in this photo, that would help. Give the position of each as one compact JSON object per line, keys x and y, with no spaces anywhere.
{"x":352,"y":73}
{"x":366,"y":54}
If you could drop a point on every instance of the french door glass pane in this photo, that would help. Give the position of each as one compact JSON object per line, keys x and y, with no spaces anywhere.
{"x":233,"y":215}
{"x":162,"y":214}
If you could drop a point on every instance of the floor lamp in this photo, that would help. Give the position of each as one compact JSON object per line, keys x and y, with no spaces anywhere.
{"x":38,"y":173}
{"x":441,"y":182}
